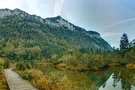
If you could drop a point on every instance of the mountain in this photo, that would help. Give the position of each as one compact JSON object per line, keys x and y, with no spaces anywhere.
{"x":51,"y":35}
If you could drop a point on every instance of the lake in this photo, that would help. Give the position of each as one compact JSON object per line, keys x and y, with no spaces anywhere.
{"x":118,"y":78}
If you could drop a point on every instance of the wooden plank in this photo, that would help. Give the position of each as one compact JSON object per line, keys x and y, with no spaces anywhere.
{"x":15,"y":82}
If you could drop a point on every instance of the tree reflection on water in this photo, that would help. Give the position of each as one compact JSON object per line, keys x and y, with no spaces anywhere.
{"x":121,"y":79}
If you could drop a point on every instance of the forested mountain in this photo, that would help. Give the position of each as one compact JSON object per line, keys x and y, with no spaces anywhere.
{"x":28,"y":36}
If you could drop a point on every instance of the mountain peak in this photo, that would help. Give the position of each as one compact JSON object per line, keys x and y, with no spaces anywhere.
{"x":54,"y":19}
{"x":58,"y":21}
{"x":18,"y":10}
{"x":59,"y":17}
{"x":8,"y":12}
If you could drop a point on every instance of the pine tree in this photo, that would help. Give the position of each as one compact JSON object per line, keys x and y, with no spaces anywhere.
{"x":124,"y":42}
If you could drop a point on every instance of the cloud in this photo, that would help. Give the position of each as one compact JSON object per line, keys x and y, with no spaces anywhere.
{"x":58,"y":7}
{"x":12,"y":4}
{"x":118,"y":23}
{"x":110,"y":34}
{"x":29,"y":6}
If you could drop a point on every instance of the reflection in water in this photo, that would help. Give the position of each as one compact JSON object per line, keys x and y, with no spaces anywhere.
{"x":121,"y":79}
{"x":110,"y":85}
{"x":109,"y":79}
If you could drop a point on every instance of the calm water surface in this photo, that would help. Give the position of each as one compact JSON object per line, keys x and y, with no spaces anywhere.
{"x":109,"y":79}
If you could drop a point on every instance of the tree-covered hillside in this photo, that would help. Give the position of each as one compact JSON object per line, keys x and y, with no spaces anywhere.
{"x":31,"y":37}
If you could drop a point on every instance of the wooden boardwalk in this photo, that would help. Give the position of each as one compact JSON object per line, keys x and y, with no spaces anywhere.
{"x":15,"y":82}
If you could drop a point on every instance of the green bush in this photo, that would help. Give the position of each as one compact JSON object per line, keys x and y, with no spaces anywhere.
{"x":57,"y":62}
{"x":23,"y":66}
{"x":6,"y":63}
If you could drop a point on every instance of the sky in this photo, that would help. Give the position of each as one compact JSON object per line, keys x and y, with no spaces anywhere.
{"x":111,"y":18}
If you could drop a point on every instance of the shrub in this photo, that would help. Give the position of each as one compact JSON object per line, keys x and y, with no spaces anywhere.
{"x":55,"y":62}
{"x":3,"y":84}
{"x":73,"y":61}
{"x":6,"y":63}
{"x":97,"y":63}
{"x":1,"y":67}
{"x":130,"y":66}
{"x":62,"y":65}
{"x":49,"y":81}
{"x":1,"y":64}
{"x":23,"y":66}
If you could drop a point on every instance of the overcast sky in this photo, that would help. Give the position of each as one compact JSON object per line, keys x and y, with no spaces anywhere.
{"x":111,"y":18}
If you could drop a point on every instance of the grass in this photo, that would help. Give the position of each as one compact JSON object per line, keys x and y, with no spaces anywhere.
{"x":3,"y":83}
{"x":50,"y":81}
